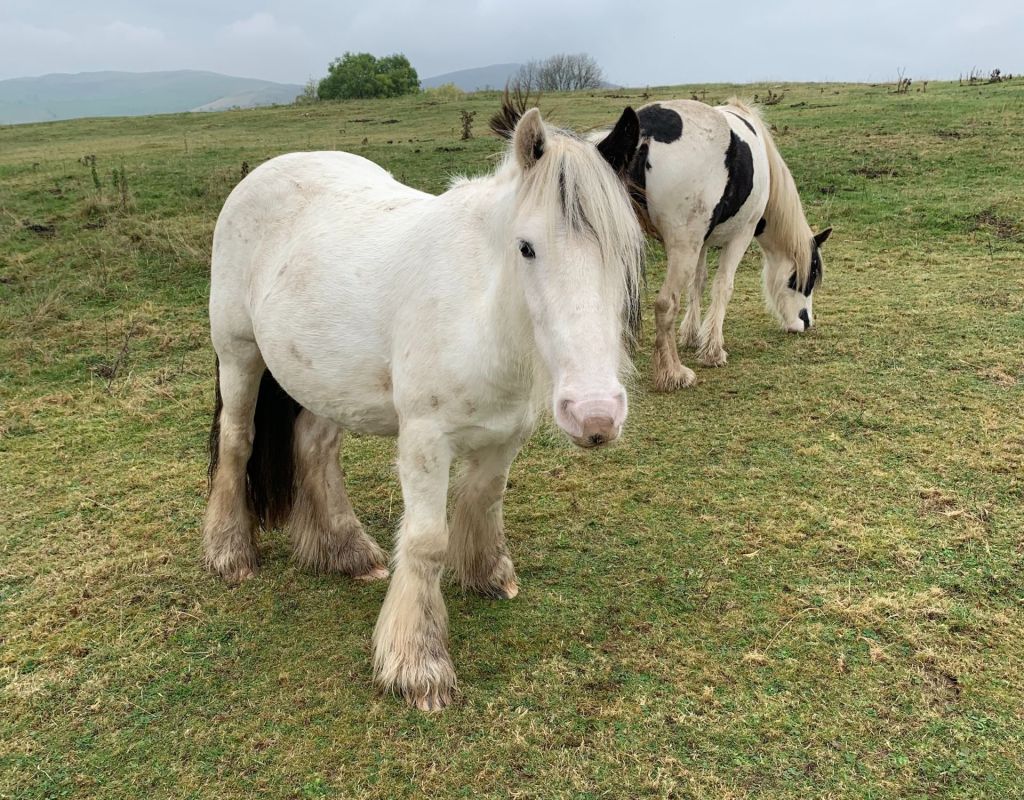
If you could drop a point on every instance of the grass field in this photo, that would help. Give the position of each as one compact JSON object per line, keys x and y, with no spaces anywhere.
{"x":801,"y":578}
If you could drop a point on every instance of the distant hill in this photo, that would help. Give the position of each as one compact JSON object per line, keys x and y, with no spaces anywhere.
{"x":472,"y":80}
{"x":118,"y":94}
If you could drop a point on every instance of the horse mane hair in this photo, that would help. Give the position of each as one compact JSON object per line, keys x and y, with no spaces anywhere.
{"x":515,"y":101}
{"x":786,"y":225}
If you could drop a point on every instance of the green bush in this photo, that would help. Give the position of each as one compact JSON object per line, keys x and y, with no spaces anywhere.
{"x":360,"y":75}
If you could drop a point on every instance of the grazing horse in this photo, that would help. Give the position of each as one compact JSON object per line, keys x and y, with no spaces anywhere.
{"x":341,"y":299}
{"x":713,"y":177}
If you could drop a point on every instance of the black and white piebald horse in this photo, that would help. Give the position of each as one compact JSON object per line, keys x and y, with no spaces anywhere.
{"x":713,"y":177}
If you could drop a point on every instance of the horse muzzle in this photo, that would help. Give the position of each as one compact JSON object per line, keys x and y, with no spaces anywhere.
{"x":802,"y":323}
{"x":592,"y":422}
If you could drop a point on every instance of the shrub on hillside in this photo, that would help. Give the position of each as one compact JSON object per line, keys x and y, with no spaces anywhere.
{"x":361,"y":75}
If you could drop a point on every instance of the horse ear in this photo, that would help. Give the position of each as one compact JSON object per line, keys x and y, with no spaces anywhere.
{"x":821,"y":238}
{"x":619,"y":146}
{"x":529,"y":138}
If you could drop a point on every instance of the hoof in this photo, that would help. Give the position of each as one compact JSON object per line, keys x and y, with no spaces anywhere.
{"x":688,"y":339}
{"x":423,"y":674}
{"x":229,"y":547}
{"x":345,"y":548}
{"x":235,"y":568}
{"x":506,"y":592}
{"x":498,"y":583}
{"x":677,"y":378}
{"x":241,"y":575}
{"x":430,"y":701}
{"x":375,"y":574}
{"x":713,"y":358}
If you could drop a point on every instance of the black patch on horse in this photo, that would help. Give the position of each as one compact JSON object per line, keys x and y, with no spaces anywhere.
{"x":760,"y":226}
{"x":815,"y":273}
{"x":739,"y":165}
{"x":744,"y":120}
{"x":661,"y":124}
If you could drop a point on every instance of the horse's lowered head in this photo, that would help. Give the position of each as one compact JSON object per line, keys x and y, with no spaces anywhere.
{"x":577,"y":250}
{"x":789,"y":287}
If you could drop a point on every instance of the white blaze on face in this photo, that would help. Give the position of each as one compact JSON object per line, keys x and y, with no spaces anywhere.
{"x":578,"y":329}
{"x":796,"y":310}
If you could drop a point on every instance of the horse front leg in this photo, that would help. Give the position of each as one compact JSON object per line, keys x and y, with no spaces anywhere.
{"x":477,"y":553}
{"x":410,"y":641}
{"x":689,"y":329}
{"x":669,"y":372}
{"x":711,"y":345}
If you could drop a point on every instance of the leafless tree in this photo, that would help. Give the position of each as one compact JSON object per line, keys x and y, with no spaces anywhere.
{"x":527,"y":78}
{"x":564,"y":72}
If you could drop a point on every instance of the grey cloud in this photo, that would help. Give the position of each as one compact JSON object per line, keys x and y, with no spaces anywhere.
{"x":643,"y":44}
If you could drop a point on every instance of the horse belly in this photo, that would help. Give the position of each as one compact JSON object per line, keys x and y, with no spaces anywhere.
{"x":682,"y":190}
{"x":349,"y":388}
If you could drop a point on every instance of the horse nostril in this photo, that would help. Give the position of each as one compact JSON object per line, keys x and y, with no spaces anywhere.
{"x":805,"y":318}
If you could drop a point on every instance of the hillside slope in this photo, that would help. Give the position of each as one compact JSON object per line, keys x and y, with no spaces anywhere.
{"x":494,"y":76}
{"x":120,"y":94}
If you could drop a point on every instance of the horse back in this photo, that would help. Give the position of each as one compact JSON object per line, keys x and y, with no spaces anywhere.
{"x":707,"y":174}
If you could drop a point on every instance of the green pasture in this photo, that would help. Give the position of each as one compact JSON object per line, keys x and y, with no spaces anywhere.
{"x":802,"y":578}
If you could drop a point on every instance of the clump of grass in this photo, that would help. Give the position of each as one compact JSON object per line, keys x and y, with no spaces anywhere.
{"x":770,"y":98}
{"x":466,"y":118}
{"x":100,"y":204}
{"x":96,"y":207}
{"x":123,"y":195}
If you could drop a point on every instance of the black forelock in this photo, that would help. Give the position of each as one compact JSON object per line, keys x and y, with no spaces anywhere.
{"x":813,"y":276}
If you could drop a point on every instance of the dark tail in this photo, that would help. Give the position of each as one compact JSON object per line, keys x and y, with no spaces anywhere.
{"x":214,"y":444}
{"x":270,"y":473}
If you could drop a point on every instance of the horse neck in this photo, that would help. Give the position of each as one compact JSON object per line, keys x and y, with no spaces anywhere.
{"x":777,"y":240}
{"x":787,"y":236}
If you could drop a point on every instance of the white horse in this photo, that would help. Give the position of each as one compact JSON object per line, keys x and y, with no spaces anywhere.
{"x":341,"y":299}
{"x":713,"y":177}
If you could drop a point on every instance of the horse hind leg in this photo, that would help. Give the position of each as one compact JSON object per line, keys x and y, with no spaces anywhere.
{"x":326,"y":535}
{"x":229,"y":524}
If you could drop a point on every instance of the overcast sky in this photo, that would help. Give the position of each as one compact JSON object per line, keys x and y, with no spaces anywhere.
{"x":637,"y":43}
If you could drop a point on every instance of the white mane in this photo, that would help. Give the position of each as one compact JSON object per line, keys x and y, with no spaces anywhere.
{"x":786,"y":226}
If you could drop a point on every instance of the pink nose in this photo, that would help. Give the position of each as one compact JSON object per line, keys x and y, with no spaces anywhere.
{"x":592,"y":423}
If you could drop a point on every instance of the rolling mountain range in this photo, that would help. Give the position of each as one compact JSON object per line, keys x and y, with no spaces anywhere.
{"x":117,"y":94}
{"x":471,"y":80}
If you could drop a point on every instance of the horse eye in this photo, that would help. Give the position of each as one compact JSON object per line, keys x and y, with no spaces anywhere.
{"x":526,"y":249}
